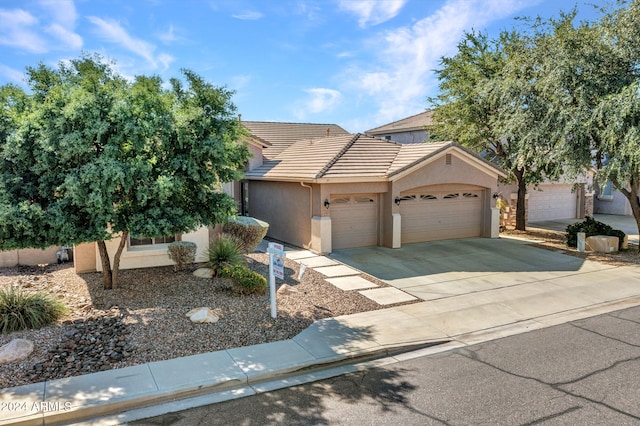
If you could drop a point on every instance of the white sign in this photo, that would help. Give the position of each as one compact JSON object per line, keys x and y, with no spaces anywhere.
{"x":276,"y":269}
{"x":277,"y":259}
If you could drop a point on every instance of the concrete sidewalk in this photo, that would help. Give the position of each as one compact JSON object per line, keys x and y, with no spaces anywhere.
{"x":334,"y":344}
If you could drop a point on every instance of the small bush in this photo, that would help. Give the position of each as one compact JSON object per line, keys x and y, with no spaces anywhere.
{"x":224,"y":252}
{"x":183,"y":253}
{"x":244,"y":280}
{"x":247,"y":230}
{"x":591,"y":227}
{"x":21,"y":310}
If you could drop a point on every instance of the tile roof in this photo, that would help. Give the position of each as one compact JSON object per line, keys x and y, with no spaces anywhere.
{"x":282,"y":135}
{"x":348,"y":156}
{"x":415,"y":122}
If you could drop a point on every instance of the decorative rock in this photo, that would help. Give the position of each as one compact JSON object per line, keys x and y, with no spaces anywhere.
{"x":15,"y":350}
{"x":203,"y":273}
{"x":287,"y":289}
{"x":201,"y":315}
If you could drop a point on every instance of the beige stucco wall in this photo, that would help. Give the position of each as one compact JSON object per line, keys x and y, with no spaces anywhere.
{"x":439,"y":174}
{"x":137,"y":257}
{"x":286,"y":207}
{"x":28,"y":256}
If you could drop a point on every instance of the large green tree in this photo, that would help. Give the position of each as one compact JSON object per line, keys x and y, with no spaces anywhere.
{"x":88,"y":156}
{"x":588,"y":74}
{"x":488,"y":102}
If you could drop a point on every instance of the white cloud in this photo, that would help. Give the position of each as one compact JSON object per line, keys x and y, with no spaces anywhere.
{"x":64,"y":16}
{"x":400,"y":76}
{"x":18,"y":29}
{"x":249,"y":15}
{"x":372,"y":12}
{"x":169,"y":36}
{"x":12,"y":74}
{"x":113,"y":32}
{"x":319,"y":100}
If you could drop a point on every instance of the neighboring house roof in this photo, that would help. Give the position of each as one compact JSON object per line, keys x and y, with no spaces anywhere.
{"x":354,"y":158}
{"x":280,"y":136}
{"x":415,"y":122}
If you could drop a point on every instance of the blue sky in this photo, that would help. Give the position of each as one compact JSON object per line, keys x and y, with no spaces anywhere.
{"x":356,"y":63}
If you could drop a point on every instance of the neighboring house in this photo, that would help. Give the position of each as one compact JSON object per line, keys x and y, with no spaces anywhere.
{"x":407,"y":130}
{"x":351,"y":190}
{"x":611,"y":201}
{"x":546,"y":201}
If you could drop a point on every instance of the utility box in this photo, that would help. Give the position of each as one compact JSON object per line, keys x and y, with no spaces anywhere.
{"x":602,"y":243}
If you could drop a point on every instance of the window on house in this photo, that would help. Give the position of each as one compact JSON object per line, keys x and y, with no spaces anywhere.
{"x":387,"y":138}
{"x":137,"y":241}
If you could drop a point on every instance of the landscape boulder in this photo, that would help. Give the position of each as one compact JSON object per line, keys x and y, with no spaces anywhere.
{"x":15,"y":350}
{"x":202,"y":315}
{"x":203,"y":272}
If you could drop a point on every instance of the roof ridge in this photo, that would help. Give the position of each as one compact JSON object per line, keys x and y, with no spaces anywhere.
{"x":336,"y":157}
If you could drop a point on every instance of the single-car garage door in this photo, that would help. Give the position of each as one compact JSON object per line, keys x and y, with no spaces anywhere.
{"x":354,"y":221}
{"x":441,"y":215}
{"x":552,"y":202}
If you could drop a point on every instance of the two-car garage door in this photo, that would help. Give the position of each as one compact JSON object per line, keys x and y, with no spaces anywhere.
{"x":426,"y":215}
{"x":552,"y":201}
{"x":441,"y":215}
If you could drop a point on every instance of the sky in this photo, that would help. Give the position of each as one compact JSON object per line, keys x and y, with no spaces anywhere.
{"x":356,"y":63}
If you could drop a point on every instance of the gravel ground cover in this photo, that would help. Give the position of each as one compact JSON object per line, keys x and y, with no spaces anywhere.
{"x":144,"y":320}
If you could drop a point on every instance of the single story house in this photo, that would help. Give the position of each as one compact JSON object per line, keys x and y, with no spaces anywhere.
{"x":609,"y":200}
{"x":322,"y":188}
{"x":354,"y":190}
{"x":549,"y":200}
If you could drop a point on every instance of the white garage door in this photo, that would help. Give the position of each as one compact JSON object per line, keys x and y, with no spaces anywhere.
{"x":354,"y":221}
{"x":552,"y":202}
{"x":436,"y":216}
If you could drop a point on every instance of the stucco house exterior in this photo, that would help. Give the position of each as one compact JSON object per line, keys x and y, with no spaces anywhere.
{"x":354,"y":190}
{"x":322,"y":188}
{"x":549,"y":200}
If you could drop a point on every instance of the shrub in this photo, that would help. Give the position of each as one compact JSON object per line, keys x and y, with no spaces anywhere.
{"x":183,"y":253}
{"x":244,"y":280}
{"x":247,"y":230}
{"x":591,"y":227}
{"x":21,"y":310}
{"x":224,"y":252}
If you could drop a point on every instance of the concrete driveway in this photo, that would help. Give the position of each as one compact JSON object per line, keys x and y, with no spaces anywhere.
{"x":443,"y":269}
{"x":626,"y":224}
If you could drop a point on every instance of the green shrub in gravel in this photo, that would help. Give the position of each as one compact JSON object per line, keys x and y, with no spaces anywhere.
{"x":21,"y":310}
{"x":182,"y":253}
{"x":591,"y":227}
{"x":224,"y":252}
{"x":247,"y":230}
{"x":244,"y":280}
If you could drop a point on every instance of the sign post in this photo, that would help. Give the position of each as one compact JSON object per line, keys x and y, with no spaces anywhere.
{"x":276,"y":269}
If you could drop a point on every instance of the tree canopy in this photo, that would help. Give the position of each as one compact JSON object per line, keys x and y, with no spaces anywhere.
{"x":88,"y":155}
{"x":558,"y":97}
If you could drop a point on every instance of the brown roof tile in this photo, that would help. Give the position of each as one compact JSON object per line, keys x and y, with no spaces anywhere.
{"x":283,"y":135}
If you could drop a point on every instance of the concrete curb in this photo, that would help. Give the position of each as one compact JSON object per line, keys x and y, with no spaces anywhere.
{"x":31,"y":406}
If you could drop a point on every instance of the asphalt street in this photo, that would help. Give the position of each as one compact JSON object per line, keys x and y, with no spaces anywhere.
{"x":584,"y":372}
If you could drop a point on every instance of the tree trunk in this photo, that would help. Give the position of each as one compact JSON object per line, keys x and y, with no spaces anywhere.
{"x":632,"y":196}
{"x":107,"y":276}
{"x":521,"y":210}
{"x":116,"y":258}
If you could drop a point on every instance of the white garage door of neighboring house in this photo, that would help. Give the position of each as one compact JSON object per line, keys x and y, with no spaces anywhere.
{"x":432,"y":216}
{"x":354,"y":221}
{"x":553,"y":202}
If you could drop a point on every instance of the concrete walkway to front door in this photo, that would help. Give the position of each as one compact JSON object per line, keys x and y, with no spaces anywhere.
{"x":442,"y":269}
